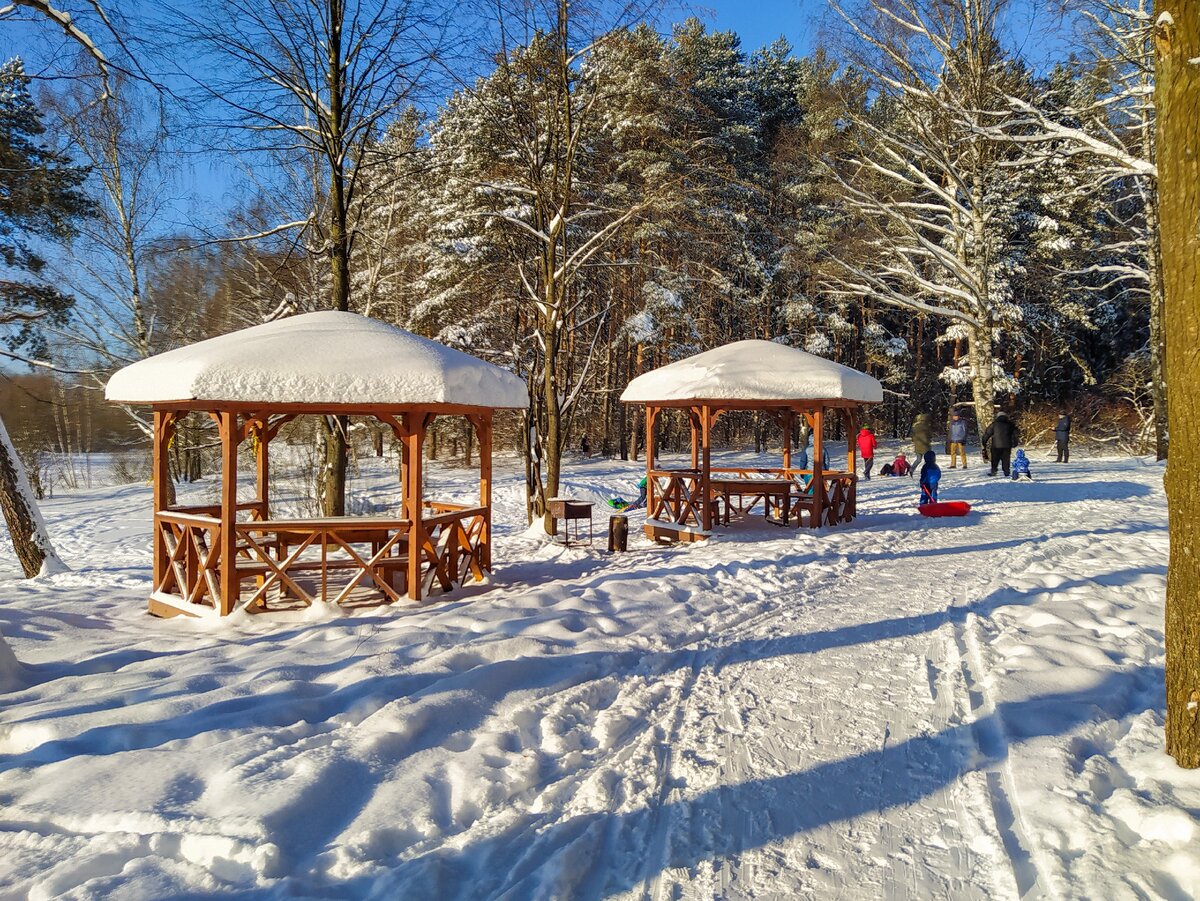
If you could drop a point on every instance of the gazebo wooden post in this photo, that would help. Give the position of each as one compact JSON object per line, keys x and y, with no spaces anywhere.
{"x":706,"y":467}
{"x":788,"y":418}
{"x":694,"y":424}
{"x":483,"y":431}
{"x":262,"y":462}
{"x":164,"y":431}
{"x":850,"y":416}
{"x":818,"y":477}
{"x":416,"y":425}
{"x":227,"y":423}
{"x":651,"y":418}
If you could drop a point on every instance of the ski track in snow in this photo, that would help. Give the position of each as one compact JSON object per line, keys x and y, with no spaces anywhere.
{"x":898,"y":709}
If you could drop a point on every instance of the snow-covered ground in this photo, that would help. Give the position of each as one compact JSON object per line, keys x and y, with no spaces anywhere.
{"x":899,"y":709}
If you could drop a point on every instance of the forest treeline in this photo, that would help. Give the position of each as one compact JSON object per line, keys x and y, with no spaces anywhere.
{"x":606,"y":196}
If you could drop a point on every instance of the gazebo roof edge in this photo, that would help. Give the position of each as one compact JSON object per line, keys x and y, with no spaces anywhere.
{"x":753,"y":374}
{"x":316,"y":409}
{"x":733,"y":405}
{"x":325,"y":359}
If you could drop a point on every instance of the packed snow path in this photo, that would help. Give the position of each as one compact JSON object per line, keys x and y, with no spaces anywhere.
{"x":900,"y":709}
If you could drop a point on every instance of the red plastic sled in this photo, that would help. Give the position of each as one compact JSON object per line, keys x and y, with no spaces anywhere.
{"x":946,"y":508}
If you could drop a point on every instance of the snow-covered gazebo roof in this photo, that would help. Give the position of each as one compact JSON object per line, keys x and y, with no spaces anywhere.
{"x":754,"y":372}
{"x":319,"y":359}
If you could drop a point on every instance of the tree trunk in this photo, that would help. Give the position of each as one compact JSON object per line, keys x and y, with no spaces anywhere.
{"x":30,"y":539}
{"x":1158,"y":347}
{"x":983,"y":377}
{"x":552,"y":437}
{"x":331,"y":481}
{"x":1177,"y":98}
{"x":333,"y":493}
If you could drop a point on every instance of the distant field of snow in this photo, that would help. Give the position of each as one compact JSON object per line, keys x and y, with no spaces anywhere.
{"x":903,"y":708}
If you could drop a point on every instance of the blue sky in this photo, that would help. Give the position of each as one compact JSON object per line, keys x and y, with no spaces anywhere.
{"x":760,"y":22}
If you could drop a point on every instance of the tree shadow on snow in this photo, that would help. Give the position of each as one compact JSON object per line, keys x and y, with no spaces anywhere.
{"x":607,"y":852}
{"x":461,"y":701}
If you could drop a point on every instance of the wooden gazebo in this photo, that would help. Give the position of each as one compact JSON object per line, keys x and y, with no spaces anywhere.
{"x":685,"y":504}
{"x":214,"y":559}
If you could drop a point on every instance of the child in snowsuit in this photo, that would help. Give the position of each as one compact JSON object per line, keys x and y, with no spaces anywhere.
{"x":1020,"y":468}
{"x":808,"y":456}
{"x":957,"y":440}
{"x":641,"y":498}
{"x":898,"y":467}
{"x":618,"y":504}
{"x":931,"y":474}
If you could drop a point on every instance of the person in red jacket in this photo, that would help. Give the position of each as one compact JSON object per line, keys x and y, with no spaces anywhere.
{"x":866,"y":448}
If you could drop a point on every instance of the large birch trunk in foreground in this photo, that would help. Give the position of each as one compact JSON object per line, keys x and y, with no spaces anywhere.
{"x":30,"y":539}
{"x":1177,"y":95}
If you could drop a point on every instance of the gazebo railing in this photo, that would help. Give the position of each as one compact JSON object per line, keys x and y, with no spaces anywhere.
{"x":677,"y":495}
{"x":455,"y":545}
{"x":190,"y":551}
{"x":841,"y":498}
{"x":302,"y":562}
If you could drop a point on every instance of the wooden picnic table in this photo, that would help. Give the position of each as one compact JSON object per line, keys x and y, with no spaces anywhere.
{"x":776,"y":495}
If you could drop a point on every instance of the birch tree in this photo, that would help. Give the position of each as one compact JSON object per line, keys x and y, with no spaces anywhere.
{"x":1114,"y":129}
{"x":929,"y":187}
{"x":123,"y":144}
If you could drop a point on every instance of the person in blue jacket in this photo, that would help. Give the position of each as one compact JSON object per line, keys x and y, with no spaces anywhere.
{"x":808,"y":456}
{"x":931,"y":474}
{"x":1020,"y":468}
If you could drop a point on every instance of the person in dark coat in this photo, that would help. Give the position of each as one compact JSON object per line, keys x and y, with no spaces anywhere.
{"x":999,"y":441}
{"x":1062,"y":437}
{"x":922,"y":434}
